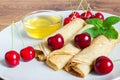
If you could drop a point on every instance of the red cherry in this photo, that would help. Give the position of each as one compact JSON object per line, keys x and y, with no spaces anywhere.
{"x":67,"y":20}
{"x":12,"y":58}
{"x":74,"y":15}
{"x":27,"y":53}
{"x":86,"y":15}
{"x":103,"y":65}
{"x":56,"y":41}
{"x":82,"y":40}
{"x":99,"y":15}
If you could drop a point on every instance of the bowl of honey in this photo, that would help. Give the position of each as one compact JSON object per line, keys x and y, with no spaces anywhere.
{"x":41,"y":23}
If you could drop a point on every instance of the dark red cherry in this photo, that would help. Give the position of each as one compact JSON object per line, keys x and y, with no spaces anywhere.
{"x":12,"y":58}
{"x":67,"y":20}
{"x":56,"y":41}
{"x":74,"y":15}
{"x":86,"y":15}
{"x":103,"y":65}
{"x":82,"y":40}
{"x":27,"y":53}
{"x":99,"y":15}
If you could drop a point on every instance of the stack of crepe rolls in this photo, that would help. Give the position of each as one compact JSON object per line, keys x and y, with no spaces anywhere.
{"x":58,"y":59}
{"x":82,"y":63}
{"x":67,"y":31}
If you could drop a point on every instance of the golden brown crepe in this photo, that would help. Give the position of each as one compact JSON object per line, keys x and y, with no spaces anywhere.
{"x":59,"y":58}
{"x":82,"y":63}
{"x":67,"y":31}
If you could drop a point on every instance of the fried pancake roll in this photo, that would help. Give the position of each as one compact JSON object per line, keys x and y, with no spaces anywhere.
{"x":67,"y":31}
{"x":59,"y":58}
{"x":82,"y":63}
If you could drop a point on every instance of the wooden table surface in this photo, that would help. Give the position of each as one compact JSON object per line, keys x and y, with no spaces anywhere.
{"x":14,"y":10}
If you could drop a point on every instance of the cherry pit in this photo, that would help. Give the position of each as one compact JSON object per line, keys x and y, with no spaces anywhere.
{"x":85,"y":15}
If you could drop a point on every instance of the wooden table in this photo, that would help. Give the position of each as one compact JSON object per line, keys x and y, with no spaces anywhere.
{"x":14,"y":10}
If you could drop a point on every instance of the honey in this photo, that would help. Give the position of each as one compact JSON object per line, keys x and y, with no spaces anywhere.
{"x":41,"y":26}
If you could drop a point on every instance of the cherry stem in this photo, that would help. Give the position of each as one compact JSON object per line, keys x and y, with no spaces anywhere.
{"x":82,"y":8}
{"x":19,"y":34}
{"x":12,"y":36}
{"x":80,"y":4}
{"x":71,"y":5}
{"x":116,"y":60}
{"x":87,"y":10}
{"x":88,"y":5}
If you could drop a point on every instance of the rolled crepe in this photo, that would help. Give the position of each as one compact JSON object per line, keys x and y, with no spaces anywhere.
{"x":82,"y":63}
{"x":59,"y":58}
{"x":67,"y":31}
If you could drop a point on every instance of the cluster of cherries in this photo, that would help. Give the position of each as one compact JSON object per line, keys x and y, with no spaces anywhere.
{"x":12,"y":58}
{"x":102,"y":65}
{"x":85,"y":15}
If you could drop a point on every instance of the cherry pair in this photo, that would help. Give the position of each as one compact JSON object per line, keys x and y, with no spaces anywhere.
{"x":85,"y":15}
{"x":12,"y":58}
{"x":88,"y":14}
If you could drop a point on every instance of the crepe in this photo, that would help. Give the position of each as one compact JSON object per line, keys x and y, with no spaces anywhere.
{"x":82,"y":63}
{"x":67,"y":31}
{"x":59,"y":58}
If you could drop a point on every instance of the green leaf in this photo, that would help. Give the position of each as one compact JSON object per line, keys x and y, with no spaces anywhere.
{"x":94,"y":32}
{"x":104,"y":28}
{"x":110,"y":33}
{"x":95,"y":21}
{"x":108,"y":22}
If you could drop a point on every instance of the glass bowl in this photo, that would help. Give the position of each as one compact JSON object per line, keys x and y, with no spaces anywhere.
{"x":41,"y":23}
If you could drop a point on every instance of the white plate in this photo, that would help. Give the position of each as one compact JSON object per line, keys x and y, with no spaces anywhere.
{"x":35,"y":70}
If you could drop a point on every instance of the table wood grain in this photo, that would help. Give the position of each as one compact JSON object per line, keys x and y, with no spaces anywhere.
{"x":14,"y":10}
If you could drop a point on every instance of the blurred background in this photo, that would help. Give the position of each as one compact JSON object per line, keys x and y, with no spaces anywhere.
{"x":14,"y":10}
